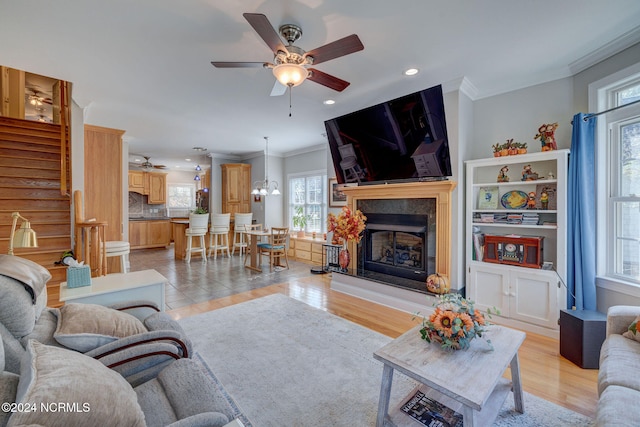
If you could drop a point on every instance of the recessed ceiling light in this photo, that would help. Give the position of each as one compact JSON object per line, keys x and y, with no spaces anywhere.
{"x":328,"y":102}
{"x":411,"y":72}
{"x":188,"y":160}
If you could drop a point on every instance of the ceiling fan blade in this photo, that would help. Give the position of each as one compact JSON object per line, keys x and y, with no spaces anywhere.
{"x":265,"y":30}
{"x":336,"y":49}
{"x":327,"y":80}
{"x":219,"y":64}
{"x":278,"y":89}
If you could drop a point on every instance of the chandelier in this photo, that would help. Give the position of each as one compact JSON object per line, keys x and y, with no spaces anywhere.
{"x":263,"y":188}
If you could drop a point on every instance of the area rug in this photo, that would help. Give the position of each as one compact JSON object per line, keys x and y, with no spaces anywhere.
{"x":284,"y":363}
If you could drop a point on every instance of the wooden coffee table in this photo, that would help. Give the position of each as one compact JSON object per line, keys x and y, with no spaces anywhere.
{"x":468,"y":381}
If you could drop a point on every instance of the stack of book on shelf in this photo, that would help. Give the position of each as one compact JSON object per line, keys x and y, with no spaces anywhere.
{"x":500,"y":218}
{"x":530,"y":218}
{"x":514,"y":218}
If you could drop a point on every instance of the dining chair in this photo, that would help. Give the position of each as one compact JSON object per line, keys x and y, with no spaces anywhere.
{"x":276,"y":248}
{"x":219,"y":234}
{"x":239,"y":239}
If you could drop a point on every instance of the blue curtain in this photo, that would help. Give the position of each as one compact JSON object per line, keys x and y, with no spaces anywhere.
{"x":581,"y":215}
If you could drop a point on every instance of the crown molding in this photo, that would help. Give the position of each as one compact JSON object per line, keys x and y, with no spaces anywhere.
{"x":617,"y":45}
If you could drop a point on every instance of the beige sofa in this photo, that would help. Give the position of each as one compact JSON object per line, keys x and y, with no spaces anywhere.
{"x":619,"y":376}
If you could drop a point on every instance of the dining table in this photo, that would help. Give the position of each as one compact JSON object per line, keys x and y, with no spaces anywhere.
{"x":253,"y":253}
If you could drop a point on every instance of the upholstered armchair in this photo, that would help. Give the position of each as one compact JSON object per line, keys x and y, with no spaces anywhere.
{"x":180,"y":395}
{"x":134,"y":339}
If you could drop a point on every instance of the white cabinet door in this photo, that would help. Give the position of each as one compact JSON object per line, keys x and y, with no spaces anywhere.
{"x":523,"y":294}
{"x":534,"y":297}
{"x":489,"y":288}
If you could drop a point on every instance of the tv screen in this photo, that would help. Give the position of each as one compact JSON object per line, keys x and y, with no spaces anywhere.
{"x":404,"y":139}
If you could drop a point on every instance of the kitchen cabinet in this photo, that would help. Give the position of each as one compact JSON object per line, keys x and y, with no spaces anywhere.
{"x":153,"y":185}
{"x":149,"y":234}
{"x":236,"y":188}
{"x":136,"y":181}
{"x":157,"y":188}
{"x":505,"y":271}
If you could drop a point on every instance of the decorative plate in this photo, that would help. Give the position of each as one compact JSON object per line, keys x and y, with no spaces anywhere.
{"x":515,"y":199}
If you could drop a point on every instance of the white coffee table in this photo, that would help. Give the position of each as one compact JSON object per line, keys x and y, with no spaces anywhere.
{"x":119,"y":287}
{"x":468,"y":381}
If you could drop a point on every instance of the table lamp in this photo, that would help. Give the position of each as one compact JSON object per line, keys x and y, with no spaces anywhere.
{"x":24,"y":237}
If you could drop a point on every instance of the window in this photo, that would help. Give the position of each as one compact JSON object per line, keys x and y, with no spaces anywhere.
{"x":181,"y":198}
{"x":309,"y":192}
{"x":619,"y":160}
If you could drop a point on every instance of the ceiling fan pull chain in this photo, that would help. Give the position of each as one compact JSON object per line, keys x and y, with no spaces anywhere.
{"x":290,"y":86}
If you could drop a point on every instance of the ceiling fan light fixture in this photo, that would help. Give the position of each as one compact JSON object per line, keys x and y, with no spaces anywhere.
{"x":290,"y":74}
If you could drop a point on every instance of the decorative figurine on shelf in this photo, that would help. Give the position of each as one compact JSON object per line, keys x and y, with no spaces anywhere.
{"x":502,"y":176}
{"x":544,"y":199}
{"x":531,"y":201}
{"x":546,"y":135}
{"x":550,"y":175}
{"x":528,"y":174}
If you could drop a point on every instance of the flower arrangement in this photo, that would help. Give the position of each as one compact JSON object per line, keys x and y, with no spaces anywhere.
{"x":348,"y":225}
{"x":454,"y":323}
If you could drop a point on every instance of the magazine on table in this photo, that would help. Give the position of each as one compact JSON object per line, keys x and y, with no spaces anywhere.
{"x":431,"y":413}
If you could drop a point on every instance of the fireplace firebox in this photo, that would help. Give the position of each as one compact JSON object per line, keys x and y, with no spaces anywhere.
{"x":397,"y":245}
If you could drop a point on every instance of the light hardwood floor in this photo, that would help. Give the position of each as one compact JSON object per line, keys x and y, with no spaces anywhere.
{"x":544,"y":372}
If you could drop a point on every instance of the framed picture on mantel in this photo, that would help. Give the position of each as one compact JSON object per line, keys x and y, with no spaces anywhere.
{"x":336,"y":197}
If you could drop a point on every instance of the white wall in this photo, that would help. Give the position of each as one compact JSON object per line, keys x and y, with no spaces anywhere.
{"x":519,"y":114}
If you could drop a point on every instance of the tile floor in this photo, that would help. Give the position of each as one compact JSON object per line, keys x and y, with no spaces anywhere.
{"x":196,"y":282}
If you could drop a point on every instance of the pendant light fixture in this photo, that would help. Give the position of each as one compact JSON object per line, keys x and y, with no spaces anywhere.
{"x":266,"y":187}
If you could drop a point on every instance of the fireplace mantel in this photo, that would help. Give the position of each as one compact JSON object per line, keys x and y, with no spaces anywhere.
{"x":438,"y":190}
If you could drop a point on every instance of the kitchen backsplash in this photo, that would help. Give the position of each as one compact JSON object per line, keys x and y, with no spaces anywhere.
{"x":138,"y":207}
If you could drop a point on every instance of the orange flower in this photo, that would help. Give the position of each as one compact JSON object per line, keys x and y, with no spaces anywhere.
{"x":478,"y":317}
{"x":444,"y":323}
{"x":467,"y":322}
{"x":348,"y":225}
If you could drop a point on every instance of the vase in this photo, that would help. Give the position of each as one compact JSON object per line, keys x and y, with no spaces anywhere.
{"x":344,"y":258}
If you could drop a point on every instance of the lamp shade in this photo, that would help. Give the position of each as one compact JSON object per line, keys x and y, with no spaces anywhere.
{"x":290,"y":74}
{"x":25,"y":237}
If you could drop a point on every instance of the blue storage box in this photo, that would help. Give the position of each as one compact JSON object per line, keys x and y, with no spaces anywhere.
{"x":78,"y":276}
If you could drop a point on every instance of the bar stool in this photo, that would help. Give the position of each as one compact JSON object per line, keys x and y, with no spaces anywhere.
{"x":219,"y":234}
{"x":198,"y":225}
{"x":239,"y":238}
{"x":121,"y":249}
{"x":349,"y":163}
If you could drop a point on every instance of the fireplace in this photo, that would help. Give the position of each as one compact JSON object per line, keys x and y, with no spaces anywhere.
{"x":407,"y":237}
{"x":397,"y":245}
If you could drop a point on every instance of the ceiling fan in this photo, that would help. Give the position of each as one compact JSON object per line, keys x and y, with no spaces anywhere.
{"x":291,"y":64}
{"x":35,"y":99}
{"x":147,"y":165}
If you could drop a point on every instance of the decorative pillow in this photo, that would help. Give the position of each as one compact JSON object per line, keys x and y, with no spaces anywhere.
{"x":84,"y":327}
{"x":632,"y":333}
{"x":90,"y":392}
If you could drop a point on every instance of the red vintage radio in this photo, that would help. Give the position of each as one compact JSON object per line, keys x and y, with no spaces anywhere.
{"x":525,"y":251}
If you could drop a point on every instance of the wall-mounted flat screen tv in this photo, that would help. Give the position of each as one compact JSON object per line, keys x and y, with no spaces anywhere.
{"x":401,"y":140}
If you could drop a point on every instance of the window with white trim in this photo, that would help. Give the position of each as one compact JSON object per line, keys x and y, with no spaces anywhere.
{"x":619,"y":130}
{"x":181,"y":199}
{"x":310,"y":193}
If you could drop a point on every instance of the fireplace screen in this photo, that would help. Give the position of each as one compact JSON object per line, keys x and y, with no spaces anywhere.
{"x":396,"y":245}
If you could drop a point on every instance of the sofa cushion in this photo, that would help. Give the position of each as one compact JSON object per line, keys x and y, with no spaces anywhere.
{"x":93,"y":392}
{"x":619,"y":358}
{"x":632,"y":332}
{"x":84,"y":327}
{"x":17,"y":311}
{"x":618,"y":406}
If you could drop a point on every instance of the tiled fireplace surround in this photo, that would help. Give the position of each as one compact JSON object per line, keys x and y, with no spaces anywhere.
{"x":430,"y":199}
